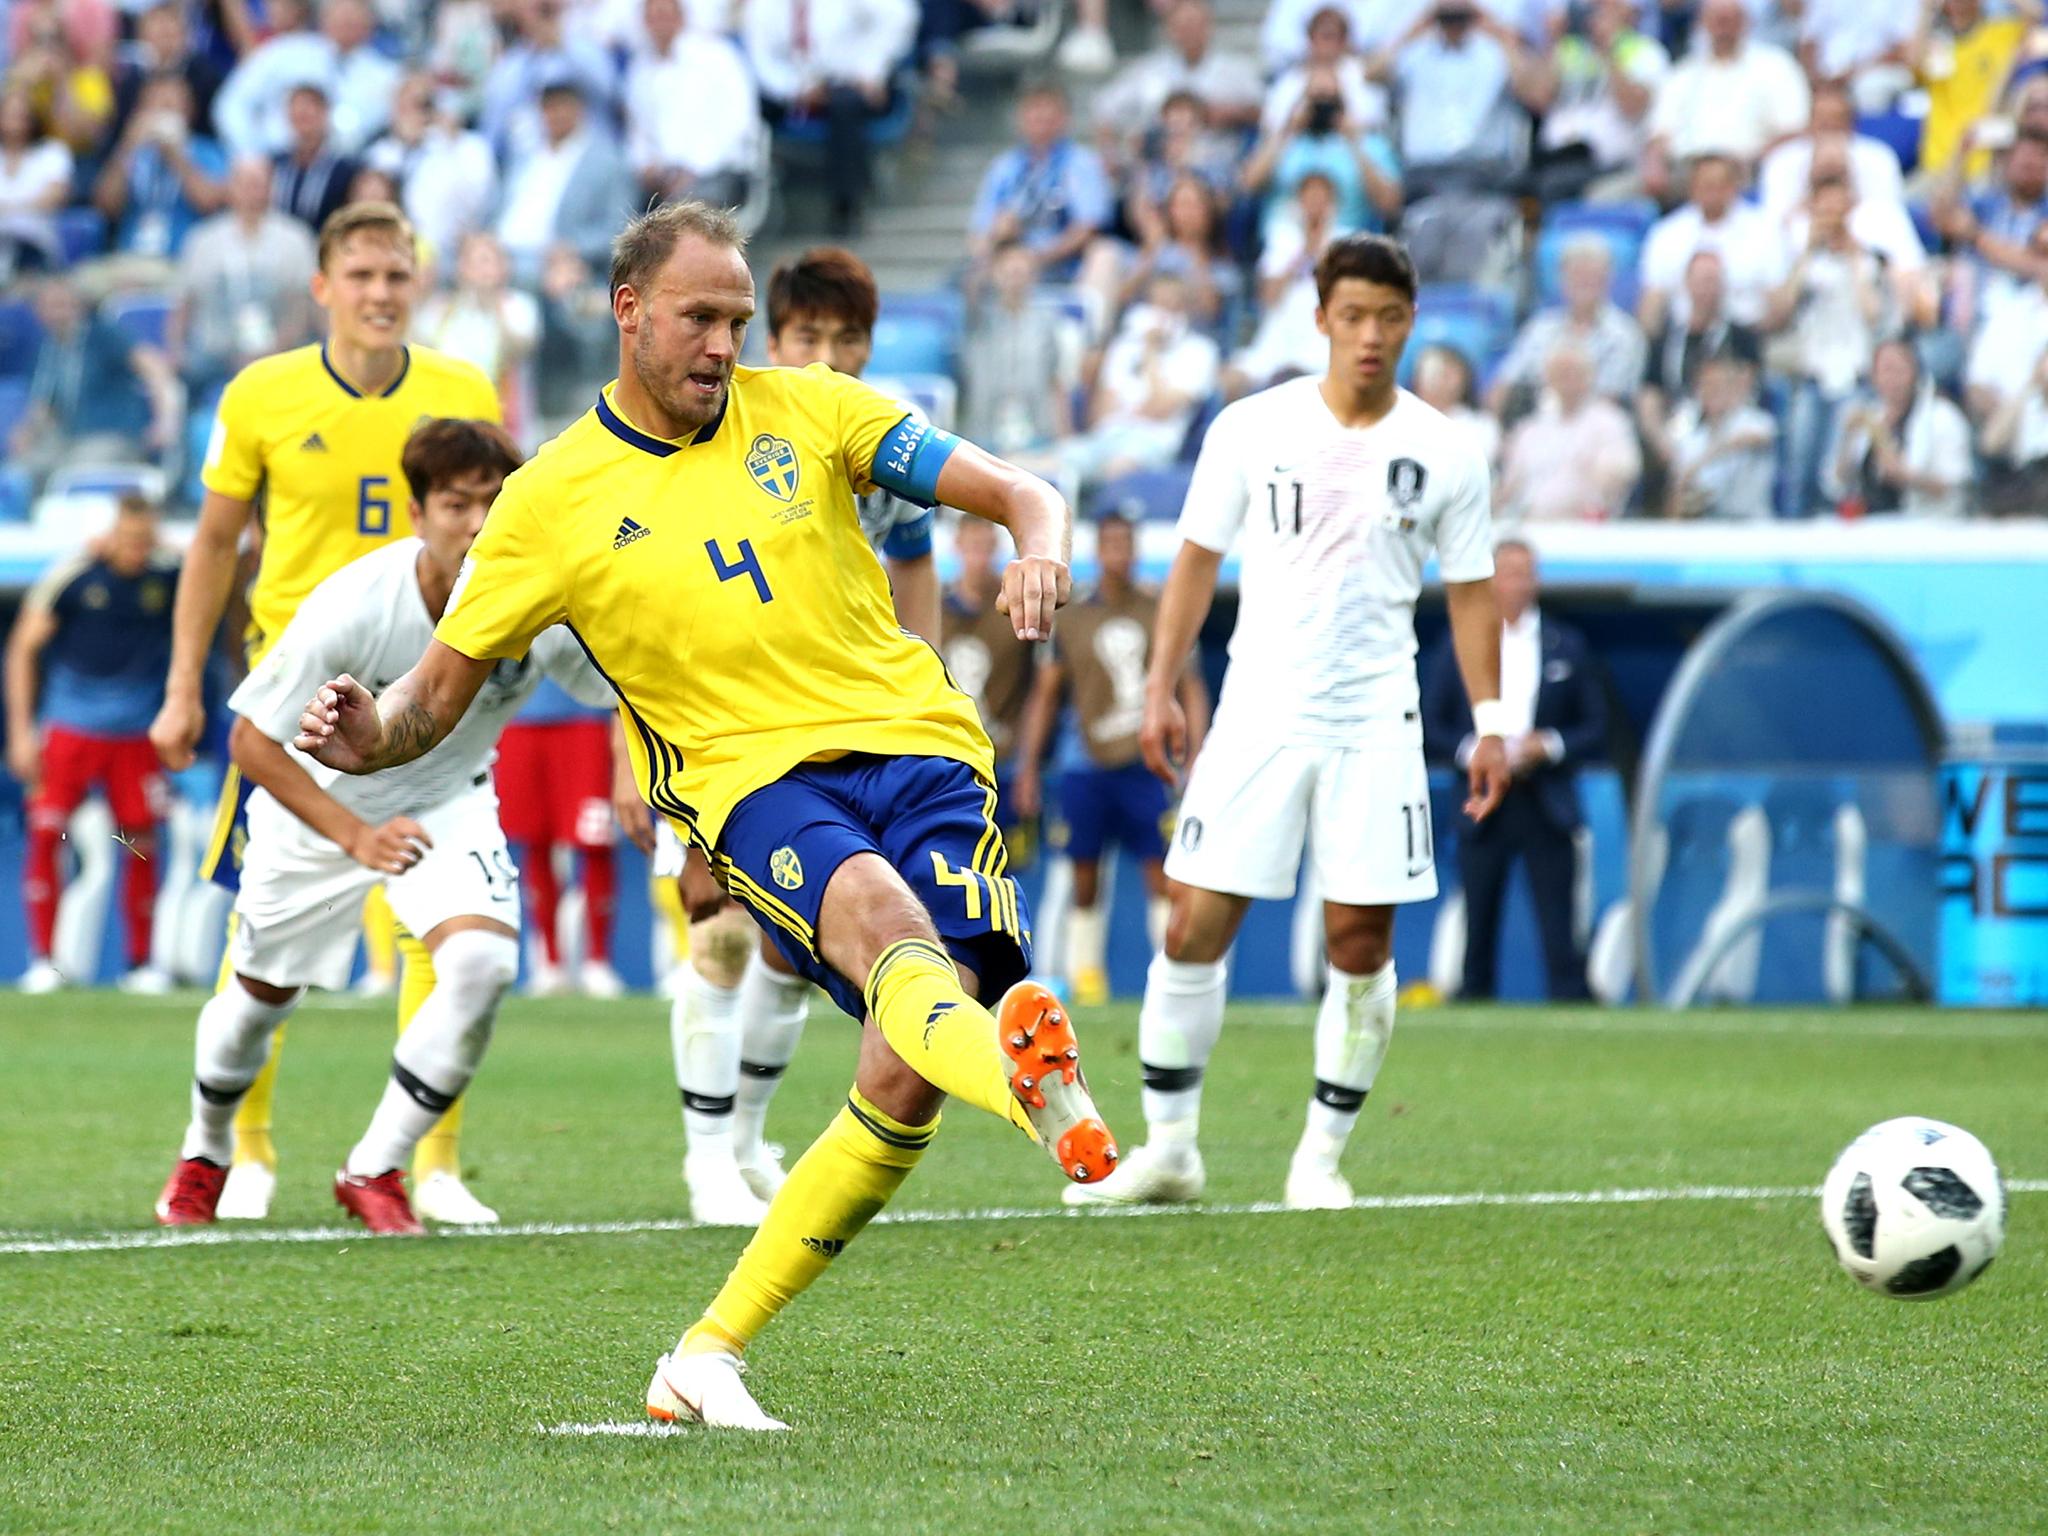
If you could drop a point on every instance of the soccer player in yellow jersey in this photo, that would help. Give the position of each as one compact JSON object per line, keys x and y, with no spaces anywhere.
{"x":697,"y":531}
{"x":315,"y":436}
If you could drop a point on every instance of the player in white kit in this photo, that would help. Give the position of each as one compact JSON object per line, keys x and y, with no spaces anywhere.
{"x":319,"y":839}
{"x":1335,"y":490}
{"x":739,"y":1010}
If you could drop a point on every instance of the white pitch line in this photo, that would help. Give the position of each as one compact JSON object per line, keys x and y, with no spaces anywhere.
{"x":643,"y":1429}
{"x":215,"y":1237}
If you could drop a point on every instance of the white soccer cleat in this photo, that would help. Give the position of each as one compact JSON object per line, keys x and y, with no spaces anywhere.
{"x":442,"y":1196}
{"x":763,"y":1172}
{"x":705,"y":1389}
{"x":1151,"y":1175}
{"x":720,"y":1194}
{"x":246,"y":1195}
{"x":548,"y":981}
{"x":596,"y":978}
{"x":146,"y":981}
{"x":41,"y":978}
{"x":1313,"y":1185}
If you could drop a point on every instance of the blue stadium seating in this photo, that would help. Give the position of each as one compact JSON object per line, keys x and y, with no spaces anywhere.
{"x":143,"y":319}
{"x":19,"y":334}
{"x":1624,"y":226}
{"x":917,"y":333}
{"x":82,"y":233}
{"x":1477,"y":323}
{"x":1153,"y":495}
{"x":13,"y":402}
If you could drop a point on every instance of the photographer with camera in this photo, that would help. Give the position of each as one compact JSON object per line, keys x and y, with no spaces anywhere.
{"x":1321,"y":137}
{"x":161,"y":177}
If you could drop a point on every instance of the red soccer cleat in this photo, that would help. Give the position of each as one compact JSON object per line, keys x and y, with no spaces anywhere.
{"x":191,"y":1193}
{"x":380,"y":1203}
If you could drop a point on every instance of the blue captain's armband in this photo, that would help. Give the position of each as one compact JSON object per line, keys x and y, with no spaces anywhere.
{"x":910,"y":539}
{"x":909,"y":458}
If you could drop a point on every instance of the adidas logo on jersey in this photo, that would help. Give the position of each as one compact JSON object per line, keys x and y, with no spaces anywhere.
{"x":314,"y":443}
{"x":628,"y":532}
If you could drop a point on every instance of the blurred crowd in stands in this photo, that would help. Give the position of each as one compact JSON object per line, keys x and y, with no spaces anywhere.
{"x":1723,"y":259}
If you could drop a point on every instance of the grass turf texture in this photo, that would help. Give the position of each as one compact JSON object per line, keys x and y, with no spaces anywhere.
{"x":1656,"y":1367}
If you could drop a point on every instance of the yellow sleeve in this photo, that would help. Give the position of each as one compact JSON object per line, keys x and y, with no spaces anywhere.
{"x":861,"y":417}
{"x":482,"y":396}
{"x":234,"y":453}
{"x":513,"y":586}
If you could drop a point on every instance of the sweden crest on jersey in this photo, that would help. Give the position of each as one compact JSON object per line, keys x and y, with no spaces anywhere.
{"x":771,"y":461}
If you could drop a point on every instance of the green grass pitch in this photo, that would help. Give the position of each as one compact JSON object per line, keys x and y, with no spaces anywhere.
{"x":1664,"y":1364}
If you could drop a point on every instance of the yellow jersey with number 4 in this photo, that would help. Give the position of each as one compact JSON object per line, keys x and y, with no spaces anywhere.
{"x":723,"y":586}
{"x":326,"y":459}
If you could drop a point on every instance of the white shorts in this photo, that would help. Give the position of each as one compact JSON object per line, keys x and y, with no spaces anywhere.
{"x":1363,"y":810}
{"x":300,"y":911}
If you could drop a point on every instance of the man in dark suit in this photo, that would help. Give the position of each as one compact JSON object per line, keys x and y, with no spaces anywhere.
{"x":1548,"y":681}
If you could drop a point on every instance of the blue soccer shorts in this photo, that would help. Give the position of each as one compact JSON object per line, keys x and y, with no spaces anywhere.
{"x":931,"y":818}
{"x":1126,"y":806}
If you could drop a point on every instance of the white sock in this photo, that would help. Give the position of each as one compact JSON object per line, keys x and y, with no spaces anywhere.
{"x":1087,"y":940}
{"x":1177,"y":1028}
{"x":441,"y":1049}
{"x":1353,"y":1026}
{"x":704,"y":1034}
{"x":232,"y":1044}
{"x":1157,"y":910}
{"x":773,"y":1008}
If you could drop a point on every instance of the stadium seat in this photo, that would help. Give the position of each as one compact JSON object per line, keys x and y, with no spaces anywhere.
{"x":917,"y":333}
{"x":19,"y":334}
{"x":143,"y":319}
{"x":1623,"y":226}
{"x":81,"y":232}
{"x":1146,"y":494}
{"x":1477,"y":323}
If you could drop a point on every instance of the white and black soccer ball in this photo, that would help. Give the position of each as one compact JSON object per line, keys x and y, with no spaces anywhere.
{"x":1915,"y":1208}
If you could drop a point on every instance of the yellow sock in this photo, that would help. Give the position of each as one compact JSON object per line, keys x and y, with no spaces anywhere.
{"x":440,"y":1150}
{"x":252,"y":1115}
{"x":947,"y":1038}
{"x":848,"y":1174}
{"x":380,"y":935}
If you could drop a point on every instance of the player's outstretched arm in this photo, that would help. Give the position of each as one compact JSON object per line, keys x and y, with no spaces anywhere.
{"x":390,"y":849}
{"x":345,"y":726}
{"x":1037,"y":583}
{"x":204,"y":582}
{"x":1183,"y":604}
{"x":34,"y":628}
{"x":1475,"y":638}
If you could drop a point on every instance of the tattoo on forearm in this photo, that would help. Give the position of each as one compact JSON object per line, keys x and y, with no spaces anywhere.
{"x":408,"y":734}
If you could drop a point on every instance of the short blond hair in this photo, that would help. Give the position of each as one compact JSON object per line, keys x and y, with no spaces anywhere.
{"x":352,"y":219}
{"x":650,"y":239}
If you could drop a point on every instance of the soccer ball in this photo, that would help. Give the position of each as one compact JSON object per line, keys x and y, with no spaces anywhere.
{"x":1915,"y":1208}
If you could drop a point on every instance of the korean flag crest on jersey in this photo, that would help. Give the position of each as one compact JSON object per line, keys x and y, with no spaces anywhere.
{"x":1405,"y":481}
{"x":772,"y":463}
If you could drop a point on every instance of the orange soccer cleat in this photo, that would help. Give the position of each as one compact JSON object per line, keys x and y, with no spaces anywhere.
{"x":1038,"y":1036}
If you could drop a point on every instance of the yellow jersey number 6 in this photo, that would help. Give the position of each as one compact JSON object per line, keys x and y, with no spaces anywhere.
{"x":373,"y":506}
{"x":748,"y":564}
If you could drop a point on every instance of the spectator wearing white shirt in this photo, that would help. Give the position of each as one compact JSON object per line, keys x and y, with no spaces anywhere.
{"x":1866,"y":45}
{"x":1589,"y":319}
{"x":1157,"y":372}
{"x":831,"y":62}
{"x":2016,"y":440}
{"x":574,"y":189}
{"x":1329,"y":46}
{"x":2002,"y":357}
{"x":1443,"y":380}
{"x":1594,"y":93}
{"x":693,"y":122}
{"x":486,"y":322}
{"x":1461,"y":80}
{"x":1905,"y":449}
{"x":1831,"y":309}
{"x":361,"y":80}
{"x":243,"y":284}
{"x":447,"y":178}
{"x":1786,"y":172}
{"x":1750,"y":245}
{"x":1880,"y":226}
{"x":35,"y":181}
{"x":1720,"y":448}
{"x":1731,"y":95}
{"x":546,"y":50}
{"x":1575,"y":456}
{"x":1288,"y":340}
{"x":1187,"y":60}
{"x":341,"y":58}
